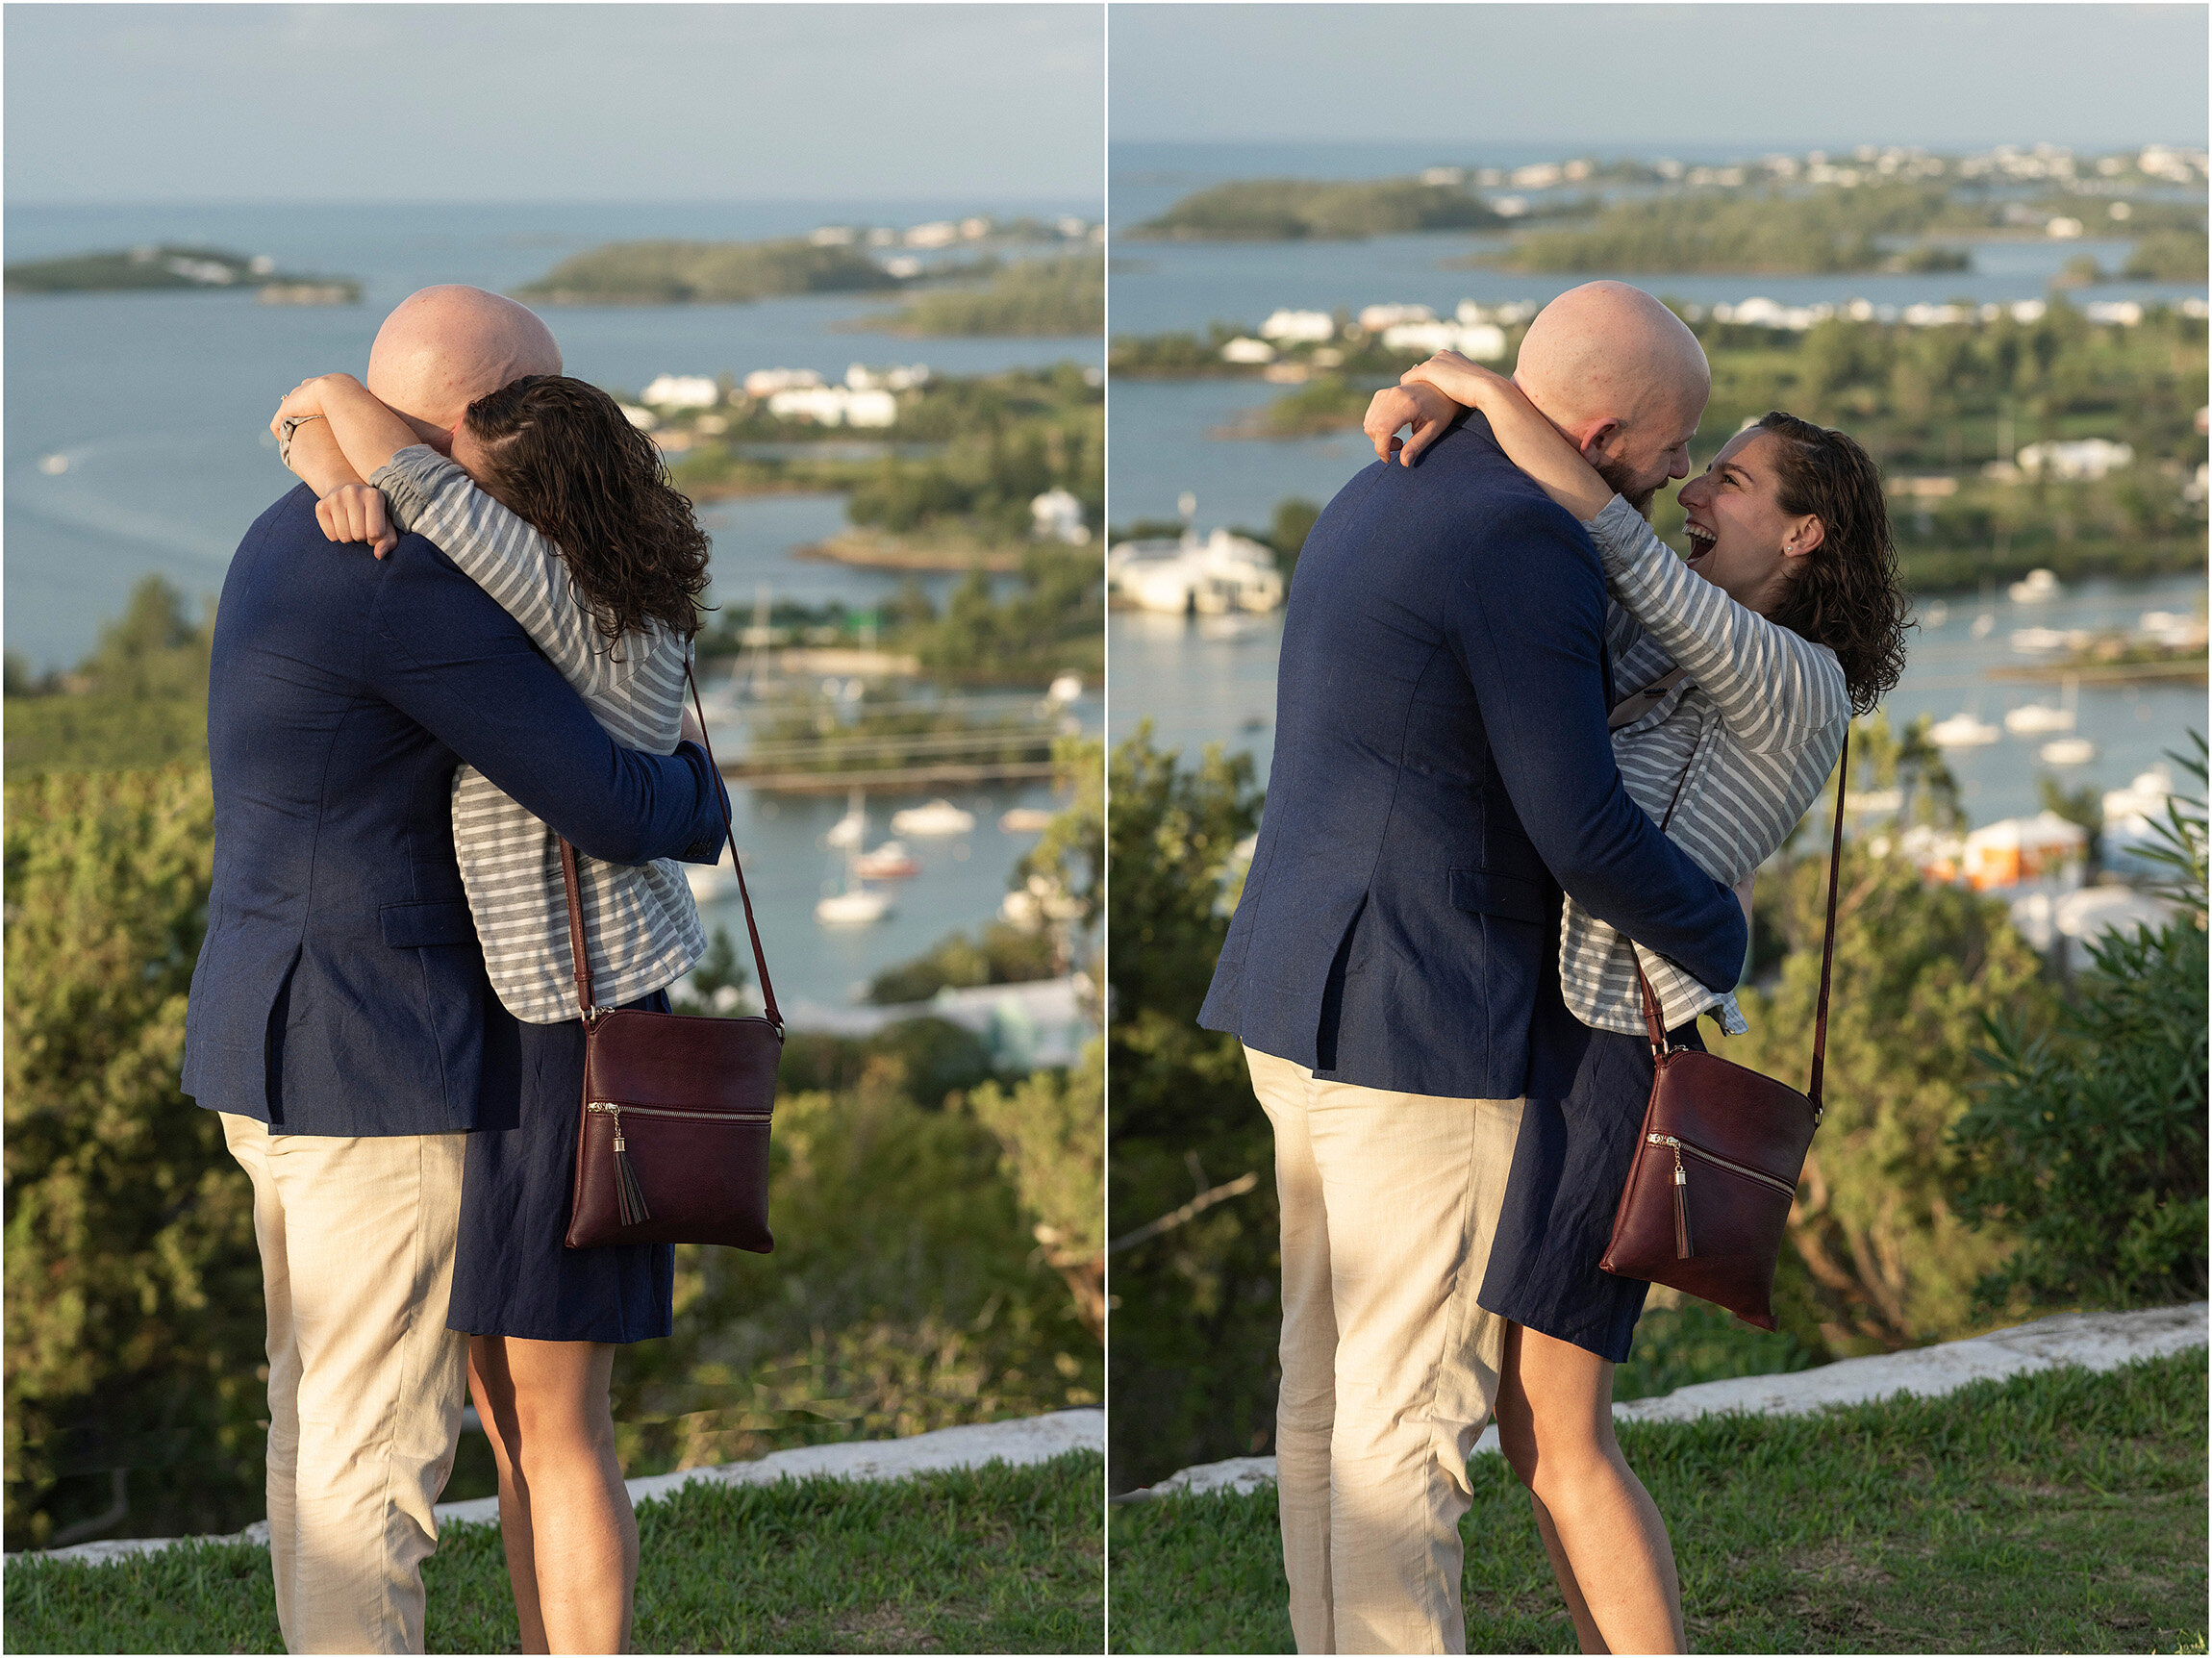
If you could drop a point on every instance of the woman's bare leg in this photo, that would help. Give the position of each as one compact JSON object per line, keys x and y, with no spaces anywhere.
{"x":572,"y":1553}
{"x":1602,"y":1531}
{"x":495,"y":1410}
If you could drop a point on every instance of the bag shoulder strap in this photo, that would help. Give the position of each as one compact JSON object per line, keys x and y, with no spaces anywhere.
{"x":579,"y":955}
{"x":1829,"y":934}
{"x":1657,"y":1031}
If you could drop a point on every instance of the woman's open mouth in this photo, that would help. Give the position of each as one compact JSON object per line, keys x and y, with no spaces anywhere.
{"x":1702,"y":540}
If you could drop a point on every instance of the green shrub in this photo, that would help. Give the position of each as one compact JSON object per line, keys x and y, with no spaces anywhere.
{"x":134,"y":1326}
{"x":1196,"y":1308}
{"x":902,"y":1295}
{"x":1887,"y":1261}
{"x":2088,"y":1139}
{"x":1005,"y":955}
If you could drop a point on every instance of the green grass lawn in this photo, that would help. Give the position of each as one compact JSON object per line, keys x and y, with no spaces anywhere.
{"x":989,"y":1560}
{"x":2062,"y":1512}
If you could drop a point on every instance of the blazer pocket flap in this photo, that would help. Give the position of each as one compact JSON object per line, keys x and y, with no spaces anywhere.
{"x":1493,"y":895}
{"x":412,"y":926}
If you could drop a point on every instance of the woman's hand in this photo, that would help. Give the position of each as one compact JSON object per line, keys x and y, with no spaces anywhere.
{"x":356,"y":513}
{"x":1459,"y":378}
{"x":1419,"y":405}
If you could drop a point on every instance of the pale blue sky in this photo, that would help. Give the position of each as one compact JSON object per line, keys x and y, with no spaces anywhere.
{"x":553,"y":102}
{"x":1651,"y":76}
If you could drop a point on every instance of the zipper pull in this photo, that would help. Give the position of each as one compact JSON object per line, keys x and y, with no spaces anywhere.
{"x":1682,"y":1249}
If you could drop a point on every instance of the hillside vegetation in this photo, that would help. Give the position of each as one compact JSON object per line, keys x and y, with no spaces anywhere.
{"x":1296,"y":209}
{"x":704,"y":273}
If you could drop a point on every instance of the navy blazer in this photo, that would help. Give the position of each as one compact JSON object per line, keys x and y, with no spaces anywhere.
{"x":1442,"y":769}
{"x":340,"y":989}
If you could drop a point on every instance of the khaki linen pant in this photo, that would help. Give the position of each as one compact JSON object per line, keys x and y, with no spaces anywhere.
{"x":1389,"y":1203}
{"x":365,"y":1382}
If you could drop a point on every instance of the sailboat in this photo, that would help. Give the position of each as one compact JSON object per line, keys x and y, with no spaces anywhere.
{"x":851,"y":829}
{"x":2040,"y":719}
{"x":1963,"y":730}
{"x":2068,"y":751}
{"x":857,"y":905}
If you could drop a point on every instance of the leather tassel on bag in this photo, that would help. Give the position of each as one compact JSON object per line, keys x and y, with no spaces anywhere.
{"x":629,"y":1196}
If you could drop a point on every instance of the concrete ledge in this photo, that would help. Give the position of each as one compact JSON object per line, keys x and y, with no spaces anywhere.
{"x":1016,"y":1443}
{"x":2093,"y":1341}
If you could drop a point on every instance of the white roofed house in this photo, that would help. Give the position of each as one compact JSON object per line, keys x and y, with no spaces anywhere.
{"x":1297,"y":327}
{"x":682,"y":391}
{"x":2086,"y":460}
{"x":1056,"y":516}
{"x":1374,"y":318}
{"x":1483,"y":342}
{"x":1211,"y":576}
{"x":767,"y":382}
{"x":835,"y":406}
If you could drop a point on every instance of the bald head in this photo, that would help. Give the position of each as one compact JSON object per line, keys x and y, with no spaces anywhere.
{"x":445,"y":347}
{"x":1623,"y":377}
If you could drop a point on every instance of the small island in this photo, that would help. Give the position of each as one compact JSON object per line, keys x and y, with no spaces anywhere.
{"x":1300,"y":210}
{"x":177,"y":269}
{"x":706,"y":273}
{"x":1028,"y":298}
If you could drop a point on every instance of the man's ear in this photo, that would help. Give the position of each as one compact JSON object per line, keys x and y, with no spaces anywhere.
{"x":1595,"y":437}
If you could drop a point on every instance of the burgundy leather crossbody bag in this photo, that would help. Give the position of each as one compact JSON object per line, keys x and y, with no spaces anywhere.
{"x":673,"y":1146}
{"x":1721,"y":1150}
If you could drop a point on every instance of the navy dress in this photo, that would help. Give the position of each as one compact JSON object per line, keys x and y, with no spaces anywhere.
{"x":512,"y":1274}
{"x":1570,"y":1167}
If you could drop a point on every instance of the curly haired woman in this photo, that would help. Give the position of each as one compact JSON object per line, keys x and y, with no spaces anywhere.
{"x":1741,"y":665}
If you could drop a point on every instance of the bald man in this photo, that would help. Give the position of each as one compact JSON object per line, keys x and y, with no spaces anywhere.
{"x":340,"y":1020}
{"x":1441,"y":771}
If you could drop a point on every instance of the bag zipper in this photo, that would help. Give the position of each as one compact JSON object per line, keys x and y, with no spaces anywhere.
{"x":608,"y":1108}
{"x":1744,"y":1169}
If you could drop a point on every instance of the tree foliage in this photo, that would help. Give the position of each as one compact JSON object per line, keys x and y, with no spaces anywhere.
{"x":2088,"y":1137}
{"x":133,"y":1330}
{"x":1029,"y":297}
{"x":1888,"y":1260}
{"x":1196,"y":1310}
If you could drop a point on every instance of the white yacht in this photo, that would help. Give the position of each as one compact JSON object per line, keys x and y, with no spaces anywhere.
{"x":855,"y":907}
{"x":888,"y":862}
{"x":2036,"y":588}
{"x":2068,"y":751}
{"x":938,"y":818}
{"x":2041,"y":718}
{"x":1963,"y":731}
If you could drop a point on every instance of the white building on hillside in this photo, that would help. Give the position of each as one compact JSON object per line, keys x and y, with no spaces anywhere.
{"x":1484,"y":341}
{"x":766,"y":382}
{"x":1245,"y":349}
{"x":682,"y":391}
{"x":1374,"y":318}
{"x":835,"y":406}
{"x":1312,"y":327}
{"x":2086,"y":460}
{"x":1056,"y":515}
{"x":859,"y":377}
{"x":1212,"y":576}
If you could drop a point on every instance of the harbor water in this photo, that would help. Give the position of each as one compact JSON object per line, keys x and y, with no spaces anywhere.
{"x":1212,"y":679}
{"x":157,"y":406}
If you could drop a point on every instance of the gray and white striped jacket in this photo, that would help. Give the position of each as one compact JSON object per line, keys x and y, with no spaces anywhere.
{"x":1758,"y":718}
{"x":642,"y":921}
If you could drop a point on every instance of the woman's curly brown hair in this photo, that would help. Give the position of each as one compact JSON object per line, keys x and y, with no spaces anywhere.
{"x":1845,"y":593}
{"x":561,"y":453}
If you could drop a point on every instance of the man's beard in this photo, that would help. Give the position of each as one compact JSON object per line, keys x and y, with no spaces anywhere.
{"x":1618,"y":474}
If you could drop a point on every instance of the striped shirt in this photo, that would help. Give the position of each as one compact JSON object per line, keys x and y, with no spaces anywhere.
{"x":642,"y":923}
{"x":1758,"y":718}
